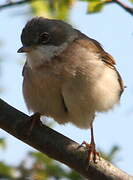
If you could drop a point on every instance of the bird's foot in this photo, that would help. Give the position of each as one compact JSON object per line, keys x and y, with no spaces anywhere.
{"x":34,"y":119}
{"x":93,"y":155}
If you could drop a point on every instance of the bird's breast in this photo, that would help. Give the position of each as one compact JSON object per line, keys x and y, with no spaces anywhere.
{"x":42,"y":93}
{"x":72,"y":87}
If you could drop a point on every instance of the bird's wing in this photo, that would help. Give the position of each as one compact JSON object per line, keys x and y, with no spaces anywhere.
{"x":24,"y":68}
{"x":96,"y":47}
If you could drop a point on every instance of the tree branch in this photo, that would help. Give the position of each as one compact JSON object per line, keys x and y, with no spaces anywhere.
{"x":11,"y":4}
{"x":56,"y":145}
{"x":121,"y":4}
{"x":124,"y":6}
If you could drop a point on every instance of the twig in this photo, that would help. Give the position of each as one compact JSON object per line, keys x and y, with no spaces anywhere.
{"x":124,"y":6}
{"x":11,"y":4}
{"x":121,"y":4}
{"x":56,"y":146}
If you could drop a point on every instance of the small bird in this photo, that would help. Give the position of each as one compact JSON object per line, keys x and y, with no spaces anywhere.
{"x":67,"y":75}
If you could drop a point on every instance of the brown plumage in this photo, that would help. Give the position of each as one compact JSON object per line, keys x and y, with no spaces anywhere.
{"x":67,"y":75}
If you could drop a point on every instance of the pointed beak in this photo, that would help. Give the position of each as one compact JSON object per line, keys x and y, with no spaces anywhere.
{"x":24,"y":49}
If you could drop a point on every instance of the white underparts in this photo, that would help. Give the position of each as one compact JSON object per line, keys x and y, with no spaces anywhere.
{"x":43,"y":53}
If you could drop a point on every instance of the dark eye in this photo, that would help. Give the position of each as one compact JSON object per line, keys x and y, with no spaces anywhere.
{"x":44,"y":38}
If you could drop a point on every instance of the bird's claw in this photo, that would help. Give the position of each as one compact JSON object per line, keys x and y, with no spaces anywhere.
{"x":92,"y":153}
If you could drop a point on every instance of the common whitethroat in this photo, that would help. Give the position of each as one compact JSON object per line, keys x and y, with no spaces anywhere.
{"x":67,"y":75}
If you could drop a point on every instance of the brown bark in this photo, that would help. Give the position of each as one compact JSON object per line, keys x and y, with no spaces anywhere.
{"x":56,"y":146}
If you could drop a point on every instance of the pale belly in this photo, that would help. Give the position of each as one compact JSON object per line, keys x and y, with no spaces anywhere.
{"x":75,"y":100}
{"x":42,"y":93}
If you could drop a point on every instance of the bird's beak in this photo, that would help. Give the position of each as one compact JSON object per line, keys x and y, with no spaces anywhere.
{"x":24,"y":49}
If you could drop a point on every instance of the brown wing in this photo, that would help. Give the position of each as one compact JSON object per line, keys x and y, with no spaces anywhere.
{"x":24,"y":68}
{"x":110,"y":62}
{"x":96,"y":47}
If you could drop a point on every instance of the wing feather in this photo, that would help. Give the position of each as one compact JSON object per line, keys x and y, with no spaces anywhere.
{"x":96,"y":47}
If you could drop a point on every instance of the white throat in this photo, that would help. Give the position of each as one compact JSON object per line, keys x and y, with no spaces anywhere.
{"x":44,"y":53}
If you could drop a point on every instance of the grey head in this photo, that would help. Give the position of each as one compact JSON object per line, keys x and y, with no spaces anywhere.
{"x":41,"y":31}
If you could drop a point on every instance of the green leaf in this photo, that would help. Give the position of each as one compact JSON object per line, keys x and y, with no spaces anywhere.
{"x":92,"y":0}
{"x":2,"y":143}
{"x":5,"y":170}
{"x":131,"y":1}
{"x":40,"y":8}
{"x":94,"y":7}
{"x":58,"y":9}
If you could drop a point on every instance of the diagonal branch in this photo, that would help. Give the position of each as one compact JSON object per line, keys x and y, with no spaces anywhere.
{"x":56,"y":146}
{"x":121,"y":4}
{"x":11,"y":4}
{"x":124,"y":6}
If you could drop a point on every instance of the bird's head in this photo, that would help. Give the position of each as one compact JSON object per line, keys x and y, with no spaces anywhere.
{"x":48,"y":35}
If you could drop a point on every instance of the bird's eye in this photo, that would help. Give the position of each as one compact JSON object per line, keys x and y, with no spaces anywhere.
{"x":44,"y":38}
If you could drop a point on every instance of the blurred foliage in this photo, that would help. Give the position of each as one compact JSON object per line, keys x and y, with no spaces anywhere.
{"x":111,"y":155}
{"x":2,"y":143}
{"x":6,"y":171}
{"x":95,"y":6}
{"x":58,"y":9}
{"x":37,"y":166}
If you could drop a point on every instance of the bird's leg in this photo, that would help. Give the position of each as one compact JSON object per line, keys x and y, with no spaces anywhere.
{"x":92,"y":153}
{"x":34,"y":119}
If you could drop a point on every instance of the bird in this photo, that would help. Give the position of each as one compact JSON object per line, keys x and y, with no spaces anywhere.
{"x":67,"y":75}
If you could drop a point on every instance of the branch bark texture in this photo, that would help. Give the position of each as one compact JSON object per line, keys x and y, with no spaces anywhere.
{"x":56,"y":146}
